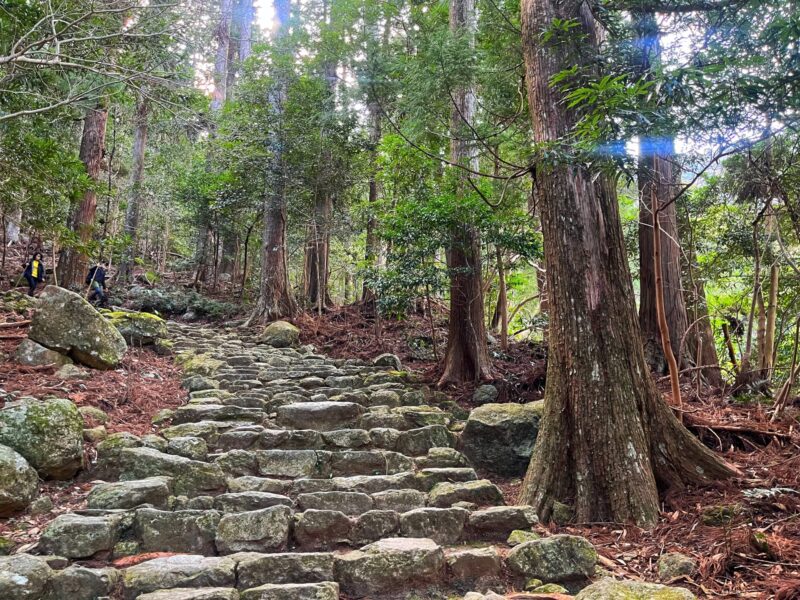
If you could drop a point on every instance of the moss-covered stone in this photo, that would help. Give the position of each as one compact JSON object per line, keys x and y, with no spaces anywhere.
{"x":138,"y":328}
{"x":198,"y":364}
{"x":609,"y":589}
{"x":32,"y":354}
{"x":723,"y":514}
{"x":65,"y":322}
{"x":280,"y":334}
{"x":500,"y":437}
{"x":675,"y":564}
{"x":550,"y":588}
{"x":92,"y":413}
{"x":555,"y":559}
{"x":520,"y":536}
{"x":94,"y":435}
{"x":13,"y":301}
{"x":18,"y":482}
{"x":23,"y":577}
{"x":48,"y":433}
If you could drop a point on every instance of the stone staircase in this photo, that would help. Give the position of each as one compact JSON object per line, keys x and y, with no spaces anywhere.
{"x":292,"y":476}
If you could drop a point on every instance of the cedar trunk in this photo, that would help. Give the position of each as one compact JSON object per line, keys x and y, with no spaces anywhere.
{"x":371,"y":244}
{"x":316,"y":271}
{"x":275,"y":300}
{"x":467,"y":355}
{"x":656,"y":176}
{"x":72,"y":263}
{"x":606,"y":438}
{"x":135,"y":194}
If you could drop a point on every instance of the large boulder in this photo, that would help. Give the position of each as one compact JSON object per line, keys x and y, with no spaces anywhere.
{"x":18,"y":482}
{"x":500,"y":437}
{"x":138,"y":328}
{"x":610,"y":589}
{"x":555,"y":559}
{"x":48,"y":433}
{"x":280,"y":334}
{"x":389,"y":565}
{"x":23,"y":577}
{"x":67,"y":323}
{"x":32,"y":354}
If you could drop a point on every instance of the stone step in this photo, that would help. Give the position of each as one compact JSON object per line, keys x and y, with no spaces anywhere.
{"x":322,"y":416}
{"x":272,"y":527}
{"x":412,"y":442}
{"x":312,"y":463}
{"x":193,"y":413}
{"x":392,"y":565}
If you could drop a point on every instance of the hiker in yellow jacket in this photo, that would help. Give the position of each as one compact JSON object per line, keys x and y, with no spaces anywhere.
{"x":34,"y":272}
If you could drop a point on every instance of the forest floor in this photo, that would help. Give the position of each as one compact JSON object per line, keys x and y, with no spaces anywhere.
{"x":744,"y":534}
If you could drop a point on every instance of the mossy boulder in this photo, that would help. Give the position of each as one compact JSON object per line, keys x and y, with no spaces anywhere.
{"x":32,"y":354}
{"x":18,"y":482}
{"x":280,"y":334}
{"x":23,"y":577}
{"x":555,"y":559}
{"x":198,"y":364}
{"x":48,"y":433}
{"x":65,"y":322}
{"x":138,"y":328}
{"x":675,"y":564}
{"x":610,"y":589}
{"x":13,"y":301}
{"x":520,"y":536}
{"x":500,"y":437}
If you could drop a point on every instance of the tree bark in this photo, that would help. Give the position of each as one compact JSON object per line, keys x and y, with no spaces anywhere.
{"x":766,"y":359}
{"x":467,"y":355}
{"x":656,"y":175}
{"x":72,"y":263}
{"x":701,"y":335}
{"x":223,"y":38}
{"x":135,"y":193}
{"x":606,"y":438}
{"x":371,"y":245}
{"x":316,"y":271}
{"x":276,"y":300}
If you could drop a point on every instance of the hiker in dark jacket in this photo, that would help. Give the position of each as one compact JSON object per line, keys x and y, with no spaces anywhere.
{"x":34,"y":272}
{"x":96,"y":280}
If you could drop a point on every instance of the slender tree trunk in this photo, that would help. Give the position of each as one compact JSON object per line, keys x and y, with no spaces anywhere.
{"x":223,"y":38}
{"x":72,"y":263}
{"x":766,"y":359}
{"x":656,"y":175}
{"x":467,"y":355}
{"x":316,"y":271}
{"x":502,"y":300}
{"x":135,"y":194}
{"x":701,"y":335}
{"x":371,"y":248}
{"x":276,"y":299}
{"x":318,"y":236}
{"x":608,"y":468}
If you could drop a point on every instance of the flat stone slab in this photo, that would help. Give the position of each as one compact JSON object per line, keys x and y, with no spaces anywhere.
{"x":287,"y":567}
{"x":190,"y":476}
{"x":192,"y":594}
{"x":130,"y":494}
{"x":390,"y":565}
{"x":349,"y":503}
{"x":180,"y":571}
{"x":321,"y":416}
{"x":327,"y":590}
{"x":249,"y":500}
